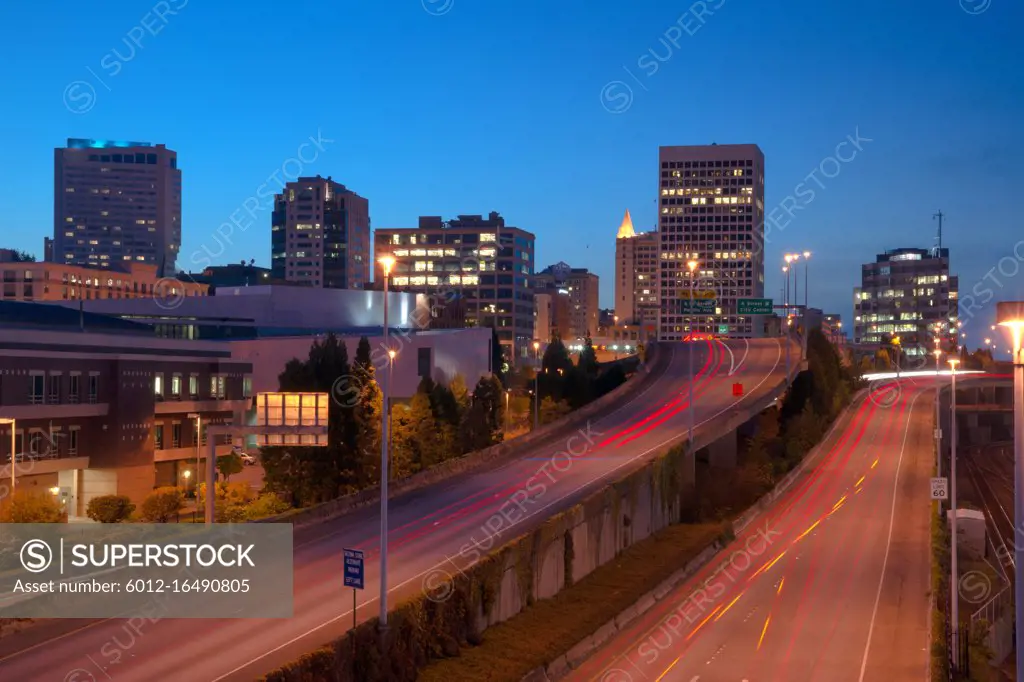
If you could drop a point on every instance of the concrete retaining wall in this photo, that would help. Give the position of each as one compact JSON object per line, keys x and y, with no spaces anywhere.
{"x":494,"y":454}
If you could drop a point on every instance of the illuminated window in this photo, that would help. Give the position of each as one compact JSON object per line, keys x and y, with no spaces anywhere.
{"x":400,"y":281}
{"x":488,"y":237}
{"x":417,"y":281}
{"x":400,"y":253}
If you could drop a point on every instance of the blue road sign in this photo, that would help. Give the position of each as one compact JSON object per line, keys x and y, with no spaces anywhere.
{"x":354,"y":568}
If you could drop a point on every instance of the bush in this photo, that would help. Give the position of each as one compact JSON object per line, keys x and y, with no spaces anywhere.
{"x":162,"y":504}
{"x":110,"y":508}
{"x":266,"y":505}
{"x":28,"y":506}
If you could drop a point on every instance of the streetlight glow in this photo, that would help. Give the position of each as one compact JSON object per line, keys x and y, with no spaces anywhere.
{"x":387,"y":262}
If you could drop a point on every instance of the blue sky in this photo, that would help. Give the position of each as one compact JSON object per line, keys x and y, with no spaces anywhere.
{"x":443,"y":107}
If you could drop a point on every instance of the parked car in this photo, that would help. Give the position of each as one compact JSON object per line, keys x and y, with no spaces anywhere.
{"x":247,"y":459}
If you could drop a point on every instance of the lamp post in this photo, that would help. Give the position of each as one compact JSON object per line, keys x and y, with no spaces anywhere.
{"x":391,"y":413}
{"x":938,"y":452}
{"x":954,"y":577}
{"x":386,"y":263}
{"x":536,"y":385}
{"x":691,"y":266}
{"x":896,"y":347}
{"x":199,"y":446}
{"x":785,"y":270}
{"x":807,"y":266}
{"x":14,"y":428}
{"x":1011,"y":314}
{"x":508,"y":394}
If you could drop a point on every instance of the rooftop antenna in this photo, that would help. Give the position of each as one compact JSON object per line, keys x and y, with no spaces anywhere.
{"x":939,"y":216}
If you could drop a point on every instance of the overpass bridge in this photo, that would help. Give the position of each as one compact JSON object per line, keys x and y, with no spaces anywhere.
{"x":480,"y":503}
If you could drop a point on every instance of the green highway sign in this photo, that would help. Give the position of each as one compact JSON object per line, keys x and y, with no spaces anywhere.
{"x":698,"y":307}
{"x":754,"y":306}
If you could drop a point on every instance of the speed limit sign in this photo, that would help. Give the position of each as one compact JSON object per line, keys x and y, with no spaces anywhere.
{"x":940,"y":488}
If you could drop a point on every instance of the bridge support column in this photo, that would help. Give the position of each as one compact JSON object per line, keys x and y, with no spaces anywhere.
{"x":722,"y":453}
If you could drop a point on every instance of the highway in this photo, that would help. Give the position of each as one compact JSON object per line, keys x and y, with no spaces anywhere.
{"x":434,"y":532}
{"x":830,"y":584}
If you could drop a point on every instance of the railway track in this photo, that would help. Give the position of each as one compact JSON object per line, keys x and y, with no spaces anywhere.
{"x":990,"y":479}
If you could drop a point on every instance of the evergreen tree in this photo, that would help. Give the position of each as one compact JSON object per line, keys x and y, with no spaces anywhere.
{"x":588,"y":358}
{"x":498,"y":362}
{"x":445,"y":406}
{"x":367,"y":417}
{"x":314,"y":474}
{"x":425,"y":445}
{"x":474,"y":432}
{"x":460,"y":392}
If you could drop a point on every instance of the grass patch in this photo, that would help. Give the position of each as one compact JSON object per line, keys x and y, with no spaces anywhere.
{"x":551,"y":627}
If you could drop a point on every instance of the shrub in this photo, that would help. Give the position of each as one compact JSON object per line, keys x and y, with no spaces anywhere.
{"x":266,"y":505}
{"x":162,"y":504}
{"x":28,"y":506}
{"x":110,"y":508}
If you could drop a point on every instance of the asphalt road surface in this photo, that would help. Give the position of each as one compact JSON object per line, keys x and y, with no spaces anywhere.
{"x":830,"y":584}
{"x":434,"y":533}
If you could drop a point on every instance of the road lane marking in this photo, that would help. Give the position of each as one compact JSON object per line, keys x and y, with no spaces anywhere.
{"x":726,"y":609}
{"x":764,"y":630}
{"x":781,"y":583}
{"x":802,"y":535}
{"x":888,"y":541}
{"x":859,"y":481}
{"x":874,"y":464}
{"x":703,"y":622}
{"x":347,"y":614}
{"x":670,"y":666}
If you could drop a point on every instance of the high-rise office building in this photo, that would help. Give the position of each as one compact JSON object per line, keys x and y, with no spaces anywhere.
{"x":553,"y":315}
{"x":320,"y":235}
{"x":581,"y":286}
{"x":116,"y":202}
{"x":636,"y":275}
{"x":907,"y":293}
{"x":488,"y":263}
{"x":711,"y":210}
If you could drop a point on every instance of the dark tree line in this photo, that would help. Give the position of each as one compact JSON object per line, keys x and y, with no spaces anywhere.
{"x":439,"y":422}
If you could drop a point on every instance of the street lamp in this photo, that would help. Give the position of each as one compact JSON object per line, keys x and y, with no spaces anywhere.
{"x":691,"y":266}
{"x":508,"y":394}
{"x":386,"y":262}
{"x":896,"y":347}
{"x":938,"y":465}
{"x":14,"y":428}
{"x":1011,"y":315}
{"x":807,"y":257}
{"x":391,"y":417}
{"x":536,"y":385}
{"x":954,"y":578}
{"x":199,"y":446}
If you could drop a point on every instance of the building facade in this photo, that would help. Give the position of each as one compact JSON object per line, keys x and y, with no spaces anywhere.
{"x":553,"y":315}
{"x":581,"y":286}
{"x":59,"y":282}
{"x":320,"y":235}
{"x":488,"y":263}
{"x":636,"y":277}
{"x":907,"y":293}
{"x":116,"y":202}
{"x":111,"y":410}
{"x":711,"y":210}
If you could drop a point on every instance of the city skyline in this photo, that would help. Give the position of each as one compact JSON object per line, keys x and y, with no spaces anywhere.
{"x":919,"y":129}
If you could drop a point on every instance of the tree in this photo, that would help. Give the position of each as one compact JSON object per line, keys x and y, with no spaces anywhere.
{"x":308,"y":475}
{"x":29,"y":506}
{"x":609,"y":380}
{"x":367,"y":417}
{"x":489,"y":393}
{"x":110,"y":508}
{"x":162,"y":504}
{"x":426,"y":447}
{"x":265,"y":505}
{"x":460,"y":392}
{"x":588,"y":358}
{"x":229,"y":464}
{"x":23,"y":257}
{"x":447,"y":409}
{"x":552,"y":411}
{"x":499,"y":366}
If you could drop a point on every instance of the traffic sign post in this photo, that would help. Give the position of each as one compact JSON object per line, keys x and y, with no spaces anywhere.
{"x":754,"y":306}
{"x":353,"y":577}
{"x":940,"y":489}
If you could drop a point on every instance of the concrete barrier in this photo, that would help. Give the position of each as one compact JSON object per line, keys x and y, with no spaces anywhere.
{"x":552,"y":432}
